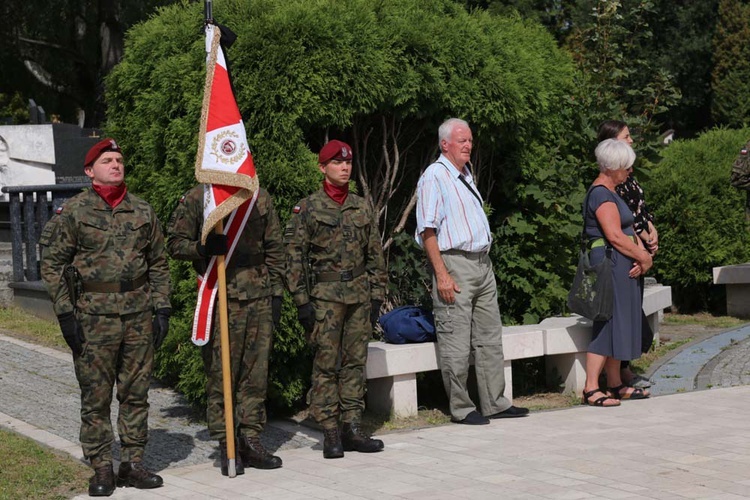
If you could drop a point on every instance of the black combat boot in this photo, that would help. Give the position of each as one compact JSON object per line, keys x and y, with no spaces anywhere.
{"x":102,"y":484}
{"x":353,"y":440}
{"x":135,"y":474}
{"x":239,"y":467}
{"x":255,"y":455}
{"x":332,"y":447}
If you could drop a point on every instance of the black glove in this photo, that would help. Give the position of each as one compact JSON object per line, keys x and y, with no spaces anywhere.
{"x":161,"y":325}
{"x":276,"y":311}
{"x":216,"y":244}
{"x":306,"y":317}
{"x":375,"y":306}
{"x":72,"y":332}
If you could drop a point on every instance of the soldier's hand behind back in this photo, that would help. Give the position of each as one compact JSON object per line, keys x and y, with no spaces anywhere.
{"x":216,"y":244}
{"x":72,"y":332}
{"x":306,"y":317}
{"x":160,"y":325}
{"x":276,"y":311}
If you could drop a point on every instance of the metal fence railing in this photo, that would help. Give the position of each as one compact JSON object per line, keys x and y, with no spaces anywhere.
{"x":30,"y":209}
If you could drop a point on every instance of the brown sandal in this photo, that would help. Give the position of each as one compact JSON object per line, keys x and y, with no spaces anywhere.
{"x":599,"y":401}
{"x":637,"y":393}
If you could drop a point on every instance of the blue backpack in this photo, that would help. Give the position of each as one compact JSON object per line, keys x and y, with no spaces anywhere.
{"x":408,"y":324}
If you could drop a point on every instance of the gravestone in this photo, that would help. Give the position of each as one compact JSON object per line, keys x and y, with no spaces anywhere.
{"x":50,"y":153}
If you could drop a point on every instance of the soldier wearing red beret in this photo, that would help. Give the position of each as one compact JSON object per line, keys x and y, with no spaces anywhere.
{"x":105,"y":267}
{"x":336,"y":274}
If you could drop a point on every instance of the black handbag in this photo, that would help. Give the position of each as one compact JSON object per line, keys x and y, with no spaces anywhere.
{"x":592,"y":295}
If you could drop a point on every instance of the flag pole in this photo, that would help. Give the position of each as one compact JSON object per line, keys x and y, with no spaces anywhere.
{"x":226,"y":365}
{"x":226,"y":370}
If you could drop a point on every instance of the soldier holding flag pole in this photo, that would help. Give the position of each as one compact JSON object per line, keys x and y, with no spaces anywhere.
{"x":242,"y":262}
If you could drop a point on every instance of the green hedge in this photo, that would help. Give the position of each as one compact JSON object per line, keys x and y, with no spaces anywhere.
{"x":389,"y":72}
{"x":699,"y":215}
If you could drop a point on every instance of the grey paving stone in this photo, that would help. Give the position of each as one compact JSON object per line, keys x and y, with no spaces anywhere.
{"x":42,"y":390}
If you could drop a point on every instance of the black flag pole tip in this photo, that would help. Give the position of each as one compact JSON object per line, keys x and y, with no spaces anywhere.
{"x":208,"y":11}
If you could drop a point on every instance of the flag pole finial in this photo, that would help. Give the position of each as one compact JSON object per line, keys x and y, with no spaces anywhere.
{"x":208,"y":11}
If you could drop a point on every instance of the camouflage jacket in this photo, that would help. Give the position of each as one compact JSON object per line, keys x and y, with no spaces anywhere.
{"x":106,"y":245}
{"x":325,"y":237}
{"x":741,"y":169}
{"x":257,"y":266}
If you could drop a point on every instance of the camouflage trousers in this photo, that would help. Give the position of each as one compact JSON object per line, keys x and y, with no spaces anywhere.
{"x":340,"y":338}
{"x":118,"y":349}
{"x":250,"y":336}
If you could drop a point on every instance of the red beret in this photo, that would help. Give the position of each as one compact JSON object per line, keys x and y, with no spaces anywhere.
{"x":335,"y":150}
{"x":100,"y":148}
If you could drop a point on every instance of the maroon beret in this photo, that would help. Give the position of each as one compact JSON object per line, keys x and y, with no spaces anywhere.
{"x":335,"y":150}
{"x":100,"y":148}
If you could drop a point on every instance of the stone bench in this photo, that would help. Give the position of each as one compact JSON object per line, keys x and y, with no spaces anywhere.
{"x":392,"y":368}
{"x":737,"y":281}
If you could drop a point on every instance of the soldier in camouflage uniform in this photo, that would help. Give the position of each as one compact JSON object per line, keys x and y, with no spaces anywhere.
{"x":741,"y":175}
{"x":114,"y":241}
{"x":255,"y":286}
{"x":336,"y":274}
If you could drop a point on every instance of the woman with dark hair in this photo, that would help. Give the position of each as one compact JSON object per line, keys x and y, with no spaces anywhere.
{"x":609,"y":233}
{"x":632,"y":193}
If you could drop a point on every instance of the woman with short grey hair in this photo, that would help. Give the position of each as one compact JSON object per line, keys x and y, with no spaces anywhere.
{"x":608,"y":228}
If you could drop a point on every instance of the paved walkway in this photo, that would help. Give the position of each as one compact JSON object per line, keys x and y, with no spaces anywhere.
{"x":692,"y":444}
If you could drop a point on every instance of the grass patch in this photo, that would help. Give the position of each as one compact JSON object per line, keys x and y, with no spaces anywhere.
{"x":642,"y":364}
{"x":33,"y":471}
{"x":703,"y":319}
{"x":24,"y":325}
{"x":378,"y":424}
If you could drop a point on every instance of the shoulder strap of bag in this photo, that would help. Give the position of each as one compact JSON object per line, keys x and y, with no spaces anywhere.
{"x":584,"y":241}
{"x":463,"y":180}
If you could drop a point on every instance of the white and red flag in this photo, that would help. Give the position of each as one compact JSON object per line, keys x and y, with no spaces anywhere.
{"x":225,"y":166}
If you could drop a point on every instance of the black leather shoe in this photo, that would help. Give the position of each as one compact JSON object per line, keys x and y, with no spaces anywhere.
{"x":332,"y":447}
{"x":239,"y":467}
{"x":255,"y":455}
{"x":102,"y":483}
{"x":135,"y":474}
{"x":511,"y":412}
{"x":473,"y":418}
{"x":352,"y":439}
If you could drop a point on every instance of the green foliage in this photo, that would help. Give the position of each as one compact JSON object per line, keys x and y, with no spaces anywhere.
{"x":534,"y":247}
{"x":380,"y":75}
{"x":683,"y":47}
{"x":700,"y":216}
{"x":409,"y":279}
{"x":13,"y":110}
{"x":731,"y":73}
{"x":58,"y":51}
{"x":616,"y":73}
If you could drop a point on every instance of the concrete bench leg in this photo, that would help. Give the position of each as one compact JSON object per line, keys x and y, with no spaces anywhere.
{"x":653,"y":322}
{"x":571,"y":368}
{"x":395,"y":395}
{"x":738,"y":300}
{"x":508,"y":380}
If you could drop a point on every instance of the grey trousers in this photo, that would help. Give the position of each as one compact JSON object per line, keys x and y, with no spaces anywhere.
{"x":471,"y":325}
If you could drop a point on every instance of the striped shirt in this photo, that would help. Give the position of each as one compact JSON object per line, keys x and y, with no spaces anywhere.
{"x":446,"y":204}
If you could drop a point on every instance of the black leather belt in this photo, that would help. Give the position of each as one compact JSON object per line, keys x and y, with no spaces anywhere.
{"x":346,"y":275}
{"x":122,"y":286}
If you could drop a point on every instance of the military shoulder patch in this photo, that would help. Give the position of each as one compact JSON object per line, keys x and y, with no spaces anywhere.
{"x":296,"y":209}
{"x":59,"y":210}
{"x":182,"y":198}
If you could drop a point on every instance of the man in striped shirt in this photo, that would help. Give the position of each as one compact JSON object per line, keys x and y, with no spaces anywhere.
{"x":455,"y":233}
